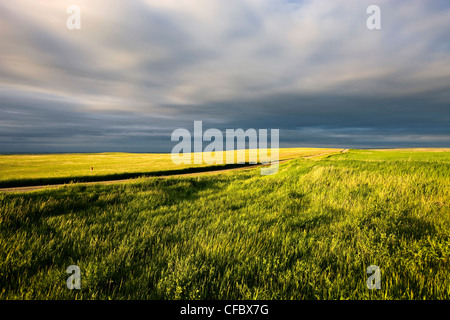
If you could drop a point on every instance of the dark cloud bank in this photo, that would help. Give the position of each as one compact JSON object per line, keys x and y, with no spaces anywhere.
{"x":138,"y":70}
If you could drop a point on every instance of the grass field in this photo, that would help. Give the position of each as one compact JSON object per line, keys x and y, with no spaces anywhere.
{"x":308,"y":232}
{"x":23,"y":170}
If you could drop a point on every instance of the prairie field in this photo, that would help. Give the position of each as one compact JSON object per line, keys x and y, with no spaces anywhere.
{"x":37,"y":169}
{"x":308,"y":232}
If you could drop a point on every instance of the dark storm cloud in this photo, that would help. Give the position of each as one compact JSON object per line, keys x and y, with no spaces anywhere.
{"x":336,"y":119}
{"x":139,"y":69}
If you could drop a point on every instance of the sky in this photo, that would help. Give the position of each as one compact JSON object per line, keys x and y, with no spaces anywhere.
{"x":139,"y":69}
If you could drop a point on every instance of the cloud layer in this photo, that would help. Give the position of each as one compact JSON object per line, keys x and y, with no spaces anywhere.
{"x":139,"y":69}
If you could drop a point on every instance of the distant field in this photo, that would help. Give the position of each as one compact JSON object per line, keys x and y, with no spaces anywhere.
{"x":21,"y":170}
{"x":308,"y":232}
{"x":430,"y":155}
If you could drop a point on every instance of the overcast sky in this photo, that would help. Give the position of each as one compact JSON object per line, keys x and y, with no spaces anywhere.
{"x":137,"y":70}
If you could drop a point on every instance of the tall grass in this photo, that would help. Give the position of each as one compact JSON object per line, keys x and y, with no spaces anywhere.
{"x":308,"y":232}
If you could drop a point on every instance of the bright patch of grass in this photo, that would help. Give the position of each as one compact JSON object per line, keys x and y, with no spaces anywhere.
{"x":23,"y":170}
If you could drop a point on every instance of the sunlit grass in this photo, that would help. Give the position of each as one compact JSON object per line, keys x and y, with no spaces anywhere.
{"x":20,"y":170}
{"x":308,"y":232}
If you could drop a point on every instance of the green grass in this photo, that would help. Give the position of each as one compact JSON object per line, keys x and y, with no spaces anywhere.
{"x":308,"y":232}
